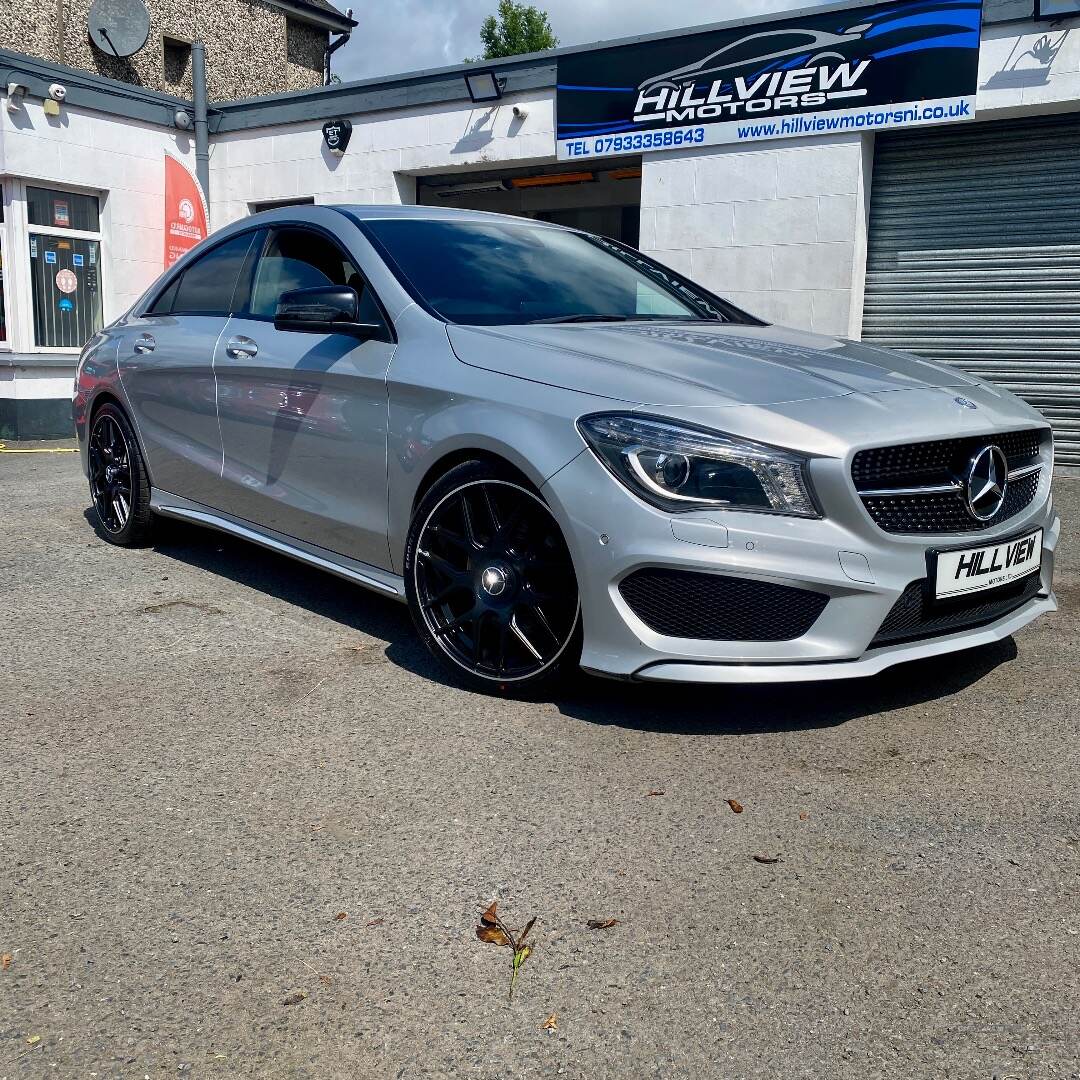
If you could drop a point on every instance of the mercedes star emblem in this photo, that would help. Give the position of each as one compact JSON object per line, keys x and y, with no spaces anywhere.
{"x":494,"y":581}
{"x":986,"y":482}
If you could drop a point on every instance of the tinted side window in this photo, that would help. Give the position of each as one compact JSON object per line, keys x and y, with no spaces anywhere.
{"x":300,"y":259}
{"x":164,"y":303}
{"x":206,"y":286}
{"x":242,"y":293}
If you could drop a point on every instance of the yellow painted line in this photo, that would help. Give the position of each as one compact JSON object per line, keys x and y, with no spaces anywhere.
{"x":45,"y":450}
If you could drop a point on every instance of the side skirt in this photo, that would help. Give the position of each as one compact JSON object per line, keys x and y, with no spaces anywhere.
{"x":371,"y":577}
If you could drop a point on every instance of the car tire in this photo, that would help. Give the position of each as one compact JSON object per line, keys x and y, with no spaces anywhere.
{"x":119,"y":483}
{"x":490,"y":582}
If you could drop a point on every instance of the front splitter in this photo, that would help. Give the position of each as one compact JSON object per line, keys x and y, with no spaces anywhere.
{"x":869,"y":664}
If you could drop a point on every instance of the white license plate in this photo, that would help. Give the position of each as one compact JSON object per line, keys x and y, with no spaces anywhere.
{"x":974,"y":569}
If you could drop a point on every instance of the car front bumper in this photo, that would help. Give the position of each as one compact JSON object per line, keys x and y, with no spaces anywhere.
{"x":612,"y":533}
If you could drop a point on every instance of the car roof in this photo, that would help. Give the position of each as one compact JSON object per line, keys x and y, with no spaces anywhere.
{"x":377,"y":212}
{"x":435,"y":213}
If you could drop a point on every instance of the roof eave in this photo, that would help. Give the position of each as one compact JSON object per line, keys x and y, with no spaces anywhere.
{"x":324,"y":18}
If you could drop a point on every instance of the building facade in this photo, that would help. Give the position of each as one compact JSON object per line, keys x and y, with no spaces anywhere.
{"x":959,"y":242}
{"x":253,"y":46}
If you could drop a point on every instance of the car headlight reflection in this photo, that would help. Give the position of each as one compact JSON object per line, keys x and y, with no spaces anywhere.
{"x":675,"y":467}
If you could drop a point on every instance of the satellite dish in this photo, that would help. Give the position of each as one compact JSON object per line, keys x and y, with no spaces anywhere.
{"x":119,"y":27}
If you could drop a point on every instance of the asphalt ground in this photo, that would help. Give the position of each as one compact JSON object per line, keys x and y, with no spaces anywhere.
{"x":247,"y":829}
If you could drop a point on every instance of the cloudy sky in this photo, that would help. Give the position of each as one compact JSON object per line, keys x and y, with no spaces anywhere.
{"x":406,"y":35}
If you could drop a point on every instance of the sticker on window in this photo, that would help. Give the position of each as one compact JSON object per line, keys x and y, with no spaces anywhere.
{"x":76,"y":260}
{"x":50,"y":256}
{"x":66,"y":281}
{"x":61,"y":214}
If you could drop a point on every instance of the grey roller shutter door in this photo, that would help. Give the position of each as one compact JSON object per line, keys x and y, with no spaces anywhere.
{"x":973,"y":257}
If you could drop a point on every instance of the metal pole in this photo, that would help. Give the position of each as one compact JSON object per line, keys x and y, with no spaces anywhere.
{"x":202,"y":130}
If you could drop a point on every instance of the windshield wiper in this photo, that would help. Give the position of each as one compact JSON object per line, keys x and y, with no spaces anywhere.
{"x":582,"y":318}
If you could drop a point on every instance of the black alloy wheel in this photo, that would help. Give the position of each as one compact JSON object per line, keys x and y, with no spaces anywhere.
{"x":118,"y":482}
{"x":491,"y":582}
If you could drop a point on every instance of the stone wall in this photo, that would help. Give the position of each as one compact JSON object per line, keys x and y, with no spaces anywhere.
{"x":251,"y":47}
{"x":304,"y":48}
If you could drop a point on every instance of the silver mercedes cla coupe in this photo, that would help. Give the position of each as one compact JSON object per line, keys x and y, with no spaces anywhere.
{"x":558,"y":452}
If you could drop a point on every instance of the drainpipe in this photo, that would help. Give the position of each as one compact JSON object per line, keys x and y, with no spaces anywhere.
{"x":333,"y":48}
{"x":202,"y":130}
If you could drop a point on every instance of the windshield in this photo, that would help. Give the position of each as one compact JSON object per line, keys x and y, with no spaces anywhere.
{"x":491,"y":273}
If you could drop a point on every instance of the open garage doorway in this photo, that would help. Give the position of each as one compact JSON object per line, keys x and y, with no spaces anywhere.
{"x":604,"y":200}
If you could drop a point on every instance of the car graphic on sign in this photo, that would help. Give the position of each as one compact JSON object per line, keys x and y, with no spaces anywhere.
{"x":749,"y":53}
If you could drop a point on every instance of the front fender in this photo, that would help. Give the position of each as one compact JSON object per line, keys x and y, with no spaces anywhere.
{"x":531,"y":426}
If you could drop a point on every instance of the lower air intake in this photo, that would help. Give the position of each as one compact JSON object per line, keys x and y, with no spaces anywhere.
{"x":916,"y":614}
{"x":715,"y":607}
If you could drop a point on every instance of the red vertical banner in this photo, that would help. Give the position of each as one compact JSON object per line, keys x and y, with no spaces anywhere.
{"x":185,"y":211}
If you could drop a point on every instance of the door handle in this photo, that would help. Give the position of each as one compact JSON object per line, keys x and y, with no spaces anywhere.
{"x":241,"y":348}
{"x":144,"y":343}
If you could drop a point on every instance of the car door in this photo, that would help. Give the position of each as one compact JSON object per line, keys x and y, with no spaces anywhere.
{"x":302,"y":414}
{"x":166,"y":358}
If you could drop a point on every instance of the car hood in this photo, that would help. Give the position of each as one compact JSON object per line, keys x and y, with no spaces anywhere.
{"x":684,"y":364}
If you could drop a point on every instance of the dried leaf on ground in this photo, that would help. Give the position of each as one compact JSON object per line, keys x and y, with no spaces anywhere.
{"x":652,"y":793}
{"x":376,"y":922}
{"x":803,"y":816}
{"x":5,"y":961}
{"x":295,"y":999}
{"x":767,"y":859}
{"x":492,"y":934}
{"x":33,"y":1040}
{"x":735,"y":805}
{"x":325,"y":980}
{"x":601,"y":924}
{"x":550,"y":1024}
{"x":491,"y":928}
{"x":340,"y":916}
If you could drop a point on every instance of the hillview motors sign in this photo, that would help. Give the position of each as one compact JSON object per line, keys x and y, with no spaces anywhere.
{"x":880,"y":67}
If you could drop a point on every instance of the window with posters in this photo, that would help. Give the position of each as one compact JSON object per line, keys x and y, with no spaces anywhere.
{"x":64,"y":248}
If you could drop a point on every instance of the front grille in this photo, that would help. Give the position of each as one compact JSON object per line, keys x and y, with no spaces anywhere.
{"x":917,"y":614}
{"x":941,"y":462}
{"x":714,"y":607}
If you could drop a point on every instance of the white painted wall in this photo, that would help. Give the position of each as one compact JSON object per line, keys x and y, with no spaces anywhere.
{"x":34,"y":384}
{"x":120,"y":160}
{"x":384,"y":152}
{"x":774,"y":228}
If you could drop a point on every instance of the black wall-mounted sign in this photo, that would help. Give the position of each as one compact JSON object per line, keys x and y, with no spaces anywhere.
{"x":336,"y":134}
{"x":880,"y":67}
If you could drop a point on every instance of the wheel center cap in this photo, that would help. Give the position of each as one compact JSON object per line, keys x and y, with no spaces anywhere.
{"x":494,"y":580}
{"x":110,"y":473}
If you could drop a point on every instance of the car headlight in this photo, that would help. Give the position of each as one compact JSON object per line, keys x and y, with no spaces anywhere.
{"x":684,"y":468}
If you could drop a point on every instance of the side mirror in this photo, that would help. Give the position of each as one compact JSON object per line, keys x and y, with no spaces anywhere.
{"x":327,"y":309}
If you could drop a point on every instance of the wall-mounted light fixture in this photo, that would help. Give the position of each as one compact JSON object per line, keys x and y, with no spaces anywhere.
{"x":183,"y":120}
{"x":483,"y":86}
{"x":459,"y":191}
{"x":16,"y":93}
